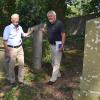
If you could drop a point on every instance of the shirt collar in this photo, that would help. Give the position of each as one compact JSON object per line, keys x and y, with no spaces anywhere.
{"x":54,"y":22}
{"x":13,"y":26}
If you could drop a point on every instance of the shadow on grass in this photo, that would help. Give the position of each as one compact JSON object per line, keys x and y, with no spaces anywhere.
{"x":37,"y":91}
{"x":35,"y":87}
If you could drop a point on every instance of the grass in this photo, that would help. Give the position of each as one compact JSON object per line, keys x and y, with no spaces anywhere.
{"x":65,"y":89}
{"x":35,"y":87}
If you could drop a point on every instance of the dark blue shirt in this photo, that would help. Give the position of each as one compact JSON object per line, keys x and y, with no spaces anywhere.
{"x":54,"y":32}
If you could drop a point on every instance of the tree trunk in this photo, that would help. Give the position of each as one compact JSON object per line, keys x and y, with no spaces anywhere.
{"x":37,"y":46}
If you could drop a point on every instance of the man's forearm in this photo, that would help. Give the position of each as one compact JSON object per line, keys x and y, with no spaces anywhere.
{"x":63,"y":38}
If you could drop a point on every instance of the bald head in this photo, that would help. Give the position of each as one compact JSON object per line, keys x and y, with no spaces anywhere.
{"x":15,"y":19}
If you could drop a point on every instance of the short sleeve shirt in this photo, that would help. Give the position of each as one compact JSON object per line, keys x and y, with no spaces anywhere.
{"x":54,"y":31}
{"x":13,"y":35}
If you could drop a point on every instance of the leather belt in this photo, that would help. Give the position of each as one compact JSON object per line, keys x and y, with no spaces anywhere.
{"x":14,"y":46}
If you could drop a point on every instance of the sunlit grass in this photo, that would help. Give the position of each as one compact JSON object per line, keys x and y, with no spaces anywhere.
{"x":2,"y":76}
{"x":34,"y":88}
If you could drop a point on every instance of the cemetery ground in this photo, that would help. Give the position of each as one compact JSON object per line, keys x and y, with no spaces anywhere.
{"x":35,"y":87}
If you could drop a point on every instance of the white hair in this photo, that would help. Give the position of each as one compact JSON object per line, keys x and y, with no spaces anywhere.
{"x":14,"y":15}
{"x":51,"y":12}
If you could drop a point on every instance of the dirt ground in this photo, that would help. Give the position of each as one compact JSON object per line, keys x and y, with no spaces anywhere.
{"x":36,"y":88}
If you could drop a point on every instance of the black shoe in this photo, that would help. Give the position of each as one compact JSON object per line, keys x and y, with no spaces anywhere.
{"x":50,"y":83}
{"x":21,"y":83}
{"x":12,"y":84}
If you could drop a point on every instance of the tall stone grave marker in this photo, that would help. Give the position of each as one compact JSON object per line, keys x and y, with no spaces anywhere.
{"x":90,"y":80}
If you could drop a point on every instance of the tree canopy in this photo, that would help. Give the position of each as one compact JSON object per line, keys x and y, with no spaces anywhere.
{"x":34,"y":11}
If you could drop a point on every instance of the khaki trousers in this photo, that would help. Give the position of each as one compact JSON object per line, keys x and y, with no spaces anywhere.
{"x":56,"y":59}
{"x":16,"y":54}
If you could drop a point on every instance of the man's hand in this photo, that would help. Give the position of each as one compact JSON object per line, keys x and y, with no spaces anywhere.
{"x":7,"y":52}
{"x":63,"y":41}
{"x":30,"y":30}
{"x":61,"y":49}
{"x":43,"y":30}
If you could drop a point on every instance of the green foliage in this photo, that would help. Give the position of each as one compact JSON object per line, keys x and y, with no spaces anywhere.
{"x":10,"y":95}
{"x":32,"y":12}
{"x":27,"y":42}
{"x":91,"y":6}
{"x":7,"y":7}
{"x":59,"y":6}
{"x":27,"y":45}
{"x":23,"y":93}
{"x":65,"y":88}
{"x":74,"y":8}
{"x":46,"y":51}
{"x":37,"y":77}
{"x":78,"y":38}
{"x":81,"y":7}
{"x":26,"y":93}
{"x":46,"y":56}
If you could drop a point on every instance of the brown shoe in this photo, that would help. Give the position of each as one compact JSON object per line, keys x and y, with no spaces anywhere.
{"x":50,"y":83}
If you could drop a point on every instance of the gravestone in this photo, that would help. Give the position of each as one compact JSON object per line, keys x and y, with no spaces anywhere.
{"x":2,"y":65}
{"x":90,"y":80}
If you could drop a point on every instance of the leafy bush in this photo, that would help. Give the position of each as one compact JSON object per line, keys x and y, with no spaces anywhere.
{"x":46,"y":51}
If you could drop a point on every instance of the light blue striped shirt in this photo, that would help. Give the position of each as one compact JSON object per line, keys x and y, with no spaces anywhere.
{"x":13,"y":35}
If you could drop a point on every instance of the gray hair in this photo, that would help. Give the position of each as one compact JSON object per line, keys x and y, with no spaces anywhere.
{"x":51,"y":12}
{"x":14,"y":15}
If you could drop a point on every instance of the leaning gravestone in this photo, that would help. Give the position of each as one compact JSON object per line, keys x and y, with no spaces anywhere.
{"x":90,"y":80}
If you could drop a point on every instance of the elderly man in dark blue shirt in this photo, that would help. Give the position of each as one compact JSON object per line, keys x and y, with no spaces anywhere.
{"x":56,"y":34}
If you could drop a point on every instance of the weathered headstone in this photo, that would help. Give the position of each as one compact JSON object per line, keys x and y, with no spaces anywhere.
{"x":2,"y":65}
{"x":90,"y":80}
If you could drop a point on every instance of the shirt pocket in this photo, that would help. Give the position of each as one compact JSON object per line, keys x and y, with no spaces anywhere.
{"x":12,"y":34}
